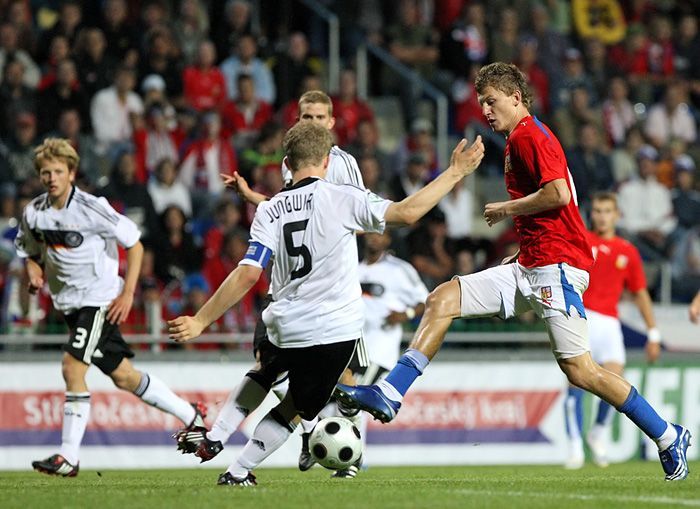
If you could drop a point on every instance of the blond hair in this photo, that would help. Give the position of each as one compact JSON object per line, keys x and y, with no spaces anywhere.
{"x":306,"y":144}
{"x":56,"y":149}
{"x":504,"y":77}
{"x":316,"y":97}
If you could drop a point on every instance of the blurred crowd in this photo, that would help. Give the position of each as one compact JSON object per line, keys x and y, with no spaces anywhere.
{"x":160,"y":96}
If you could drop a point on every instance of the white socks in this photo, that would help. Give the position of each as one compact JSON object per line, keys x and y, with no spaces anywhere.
{"x":667,"y":438}
{"x":76,"y":413}
{"x":268,"y":436}
{"x":153,"y":391}
{"x":240,"y":403}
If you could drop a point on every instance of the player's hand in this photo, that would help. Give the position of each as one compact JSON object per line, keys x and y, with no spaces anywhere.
{"x":466,"y":161}
{"x":653,"y":351}
{"x":184,"y":328}
{"x":395,"y":317}
{"x":694,"y":309}
{"x":35,"y":284}
{"x":237,"y":183}
{"x":119,"y":308}
{"x":495,"y":212}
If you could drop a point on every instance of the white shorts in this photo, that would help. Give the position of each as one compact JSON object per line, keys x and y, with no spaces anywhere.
{"x":552,"y":291}
{"x":605,"y":333}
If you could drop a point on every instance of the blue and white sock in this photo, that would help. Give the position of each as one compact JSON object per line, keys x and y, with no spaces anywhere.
{"x":602,"y":420}
{"x":645,"y":417}
{"x":410,"y":366}
{"x":573,"y":410}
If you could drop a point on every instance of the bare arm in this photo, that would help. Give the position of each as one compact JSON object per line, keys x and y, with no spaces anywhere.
{"x":239,"y":184}
{"x":232,"y":290}
{"x":643,"y":302}
{"x":552,"y":195}
{"x":120,"y":307}
{"x":35,"y":274}
{"x":694,"y":309}
{"x":462,"y":163}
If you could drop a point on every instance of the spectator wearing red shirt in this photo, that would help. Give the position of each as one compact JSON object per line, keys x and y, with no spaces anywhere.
{"x":348,"y":109}
{"x":244,"y":117}
{"x":204,"y":84}
{"x":618,"y":267}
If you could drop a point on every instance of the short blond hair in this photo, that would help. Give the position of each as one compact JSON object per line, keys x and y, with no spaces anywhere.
{"x":506,"y":78}
{"x":306,"y":144}
{"x":56,"y":149}
{"x":316,"y":97}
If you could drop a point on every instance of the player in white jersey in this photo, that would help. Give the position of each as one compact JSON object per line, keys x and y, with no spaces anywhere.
{"x":316,"y":107}
{"x":316,"y":315}
{"x":69,"y":238}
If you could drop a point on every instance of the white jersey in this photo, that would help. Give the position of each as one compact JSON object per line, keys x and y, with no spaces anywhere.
{"x":78,"y":247}
{"x":389,"y":284}
{"x":342,"y":169}
{"x":309,"y":228}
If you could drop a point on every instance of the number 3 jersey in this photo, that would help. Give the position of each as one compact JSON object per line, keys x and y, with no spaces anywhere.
{"x":309,"y":230}
{"x":78,"y":247}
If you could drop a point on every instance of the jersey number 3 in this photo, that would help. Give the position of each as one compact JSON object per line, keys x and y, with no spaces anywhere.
{"x":293,"y":250}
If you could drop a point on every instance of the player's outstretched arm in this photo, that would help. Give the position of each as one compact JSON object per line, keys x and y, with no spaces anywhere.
{"x":552,"y":195}
{"x":119,"y":308}
{"x":240,"y":185}
{"x":234,"y":287}
{"x":462,"y":163}
{"x":694,"y":309}
{"x":643,"y":302}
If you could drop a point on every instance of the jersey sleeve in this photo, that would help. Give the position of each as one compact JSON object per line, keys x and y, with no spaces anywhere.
{"x":414,"y":291}
{"x":543,"y":157}
{"x":26,"y":244}
{"x":365,"y":210}
{"x":635,"y":280}
{"x":112,"y":224}
{"x":262,"y":241}
{"x":348,"y":170}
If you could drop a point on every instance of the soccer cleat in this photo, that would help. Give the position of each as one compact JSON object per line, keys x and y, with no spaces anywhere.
{"x":196,"y":442}
{"x":56,"y":465}
{"x":227,"y":479}
{"x":368,"y":398}
{"x":306,"y":461}
{"x":599,"y":450}
{"x":673,"y":459}
{"x":574,"y":462}
{"x":346,"y":473}
{"x":200,"y":413}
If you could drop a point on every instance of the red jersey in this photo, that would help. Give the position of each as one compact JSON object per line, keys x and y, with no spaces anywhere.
{"x":617,"y":266}
{"x":533,"y":158}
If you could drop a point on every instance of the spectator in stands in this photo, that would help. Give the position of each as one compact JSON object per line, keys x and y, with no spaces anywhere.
{"x":235,"y":22}
{"x":618,"y":112}
{"x":371,"y":172}
{"x":69,"y":127}
{"x":570,"y":119}
{"x":178,"y":255}
{"x":160,"y":58}
{"x":290,"y":66}
{"x":686,"y":266}
{"x":154,"y":142}
{"x":246,"y":61}
{"x":191,"y":28}
{"x":536,"y":76}
{"x":687,"y":51}
{"x":166,"y":190}
{"x":366,"y":144}
{"x":596,"y":62}
{"x":671,"y":118}
{"x":466,"y":42}
{"x":348,"y":109}
{"x":130,"y":197}
{"x":155,"y":15}
{"x":64,"y":93}
{"x":630,"y":59}
{"x":646,"y":208}
{"x":69,"y":25}
{"x":414,"y":178}
{"x":431,"y":250}
{"x":686,"y":199}
{"x":244,"y":117}
{"x":15,"y":96}
{"x":266,"y":151}
{"x":660,"y":53}
{"x":419,"y":139}
{"x":95,"y":66}
{"x":19,"y":147}
{"x":504,"y":42}
{"x":574,"y":77}
{"x":551,"y":45}
{"x":9,"y":50}
{"x":227,"y":217}
{"x":204,"y":84}
{"x":602,"y":20}
{"x":19,"y":14}
{"x":111,"y":111}
{"x":458,"y":208}
{"x":154,"y":93}
{"x":121,"y":36}
{"x":623,"y":159}
{"x":589,"y":166}
{"x":59,"y":50}
{"x":207,"y":157}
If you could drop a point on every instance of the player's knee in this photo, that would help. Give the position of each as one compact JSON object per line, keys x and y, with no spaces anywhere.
{"x":439,"y":301}
{"x":584,"y":376}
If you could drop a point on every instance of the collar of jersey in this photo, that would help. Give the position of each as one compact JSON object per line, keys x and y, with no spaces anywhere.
{"x":303,"y":182}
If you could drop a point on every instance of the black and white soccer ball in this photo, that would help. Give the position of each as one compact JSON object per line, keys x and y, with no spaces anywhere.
{"x":335,"y":443}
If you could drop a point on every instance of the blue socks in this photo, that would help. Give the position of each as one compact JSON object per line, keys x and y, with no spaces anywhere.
{"x":410,"y":366}
{"x":603,"y":413}
{"x":643,"y":415}
{"x":573,"y":411}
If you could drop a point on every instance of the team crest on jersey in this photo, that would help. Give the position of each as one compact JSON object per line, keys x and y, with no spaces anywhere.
{"x":621,"y":261}
{"x":73,"y":239}
{"x":546,"y":294}
{"x":508,"y":167}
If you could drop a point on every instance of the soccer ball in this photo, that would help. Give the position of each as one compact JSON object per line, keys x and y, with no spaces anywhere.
{"x":335,"y":443}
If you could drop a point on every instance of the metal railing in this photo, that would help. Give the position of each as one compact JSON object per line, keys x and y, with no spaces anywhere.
{"x":331,"y":19}
{"x":415,"y":79}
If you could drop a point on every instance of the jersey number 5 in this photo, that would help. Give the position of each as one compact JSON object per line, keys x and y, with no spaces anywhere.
{"x":289,"y":229}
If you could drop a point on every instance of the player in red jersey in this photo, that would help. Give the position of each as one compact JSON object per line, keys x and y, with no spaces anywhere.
{"x":617,"y":267}
{"x":549,"y":274}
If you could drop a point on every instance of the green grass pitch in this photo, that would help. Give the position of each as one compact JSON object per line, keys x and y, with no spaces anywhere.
{"x":638,"y":485}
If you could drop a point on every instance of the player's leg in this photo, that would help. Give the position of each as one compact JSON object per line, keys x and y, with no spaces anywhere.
{"x":569,"y":338}
{"x":486,"y":293}
{"x":84,"y":325}
{"x":313,"y":373}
